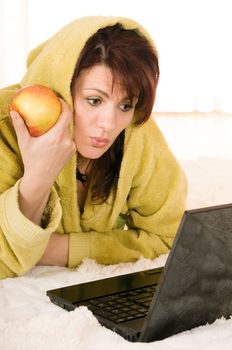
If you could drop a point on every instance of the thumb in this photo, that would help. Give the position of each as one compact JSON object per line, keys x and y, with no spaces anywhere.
{"x":19,"y":125}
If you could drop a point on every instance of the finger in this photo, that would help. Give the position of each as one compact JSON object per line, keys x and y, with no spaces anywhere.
{"x":63,"y":121}
{"x":66,"y":115}
{"x":19,"y":125}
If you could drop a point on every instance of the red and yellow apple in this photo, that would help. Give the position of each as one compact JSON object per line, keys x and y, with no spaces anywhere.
{"x":39,"y":107}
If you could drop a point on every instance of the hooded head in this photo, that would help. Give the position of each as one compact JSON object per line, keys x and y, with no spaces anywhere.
{"x":53,"y":63}
{"x":123,"y":46}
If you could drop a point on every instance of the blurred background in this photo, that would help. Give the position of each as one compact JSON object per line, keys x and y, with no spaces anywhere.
{"x":193,"y":38}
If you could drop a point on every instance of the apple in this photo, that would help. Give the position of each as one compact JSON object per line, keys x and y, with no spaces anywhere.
{"x":39,"y":107}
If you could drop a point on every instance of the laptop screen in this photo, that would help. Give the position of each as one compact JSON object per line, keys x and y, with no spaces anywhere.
{"x":196,"y":285}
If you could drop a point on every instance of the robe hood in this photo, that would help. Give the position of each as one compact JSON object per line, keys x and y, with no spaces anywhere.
{"x":53,"y":62}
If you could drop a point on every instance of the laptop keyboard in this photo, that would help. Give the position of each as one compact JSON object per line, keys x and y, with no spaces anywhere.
{"x":124,"y":306}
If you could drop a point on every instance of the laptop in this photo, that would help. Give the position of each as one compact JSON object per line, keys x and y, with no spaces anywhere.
{"x":192,"y":289}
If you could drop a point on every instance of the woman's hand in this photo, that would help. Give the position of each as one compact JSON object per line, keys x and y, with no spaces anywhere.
{"x":43,"y":158}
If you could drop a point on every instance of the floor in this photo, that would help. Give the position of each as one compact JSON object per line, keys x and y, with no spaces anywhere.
{"x":203,"y":145}
{"x":193,"y":135}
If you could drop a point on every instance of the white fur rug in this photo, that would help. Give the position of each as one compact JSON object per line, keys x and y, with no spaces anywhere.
{"x":29,"y":321}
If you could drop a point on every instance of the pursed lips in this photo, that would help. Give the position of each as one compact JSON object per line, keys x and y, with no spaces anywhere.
{"x":99,"y":142}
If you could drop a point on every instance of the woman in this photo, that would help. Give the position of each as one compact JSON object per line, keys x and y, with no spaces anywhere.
{"x":102,"y":183}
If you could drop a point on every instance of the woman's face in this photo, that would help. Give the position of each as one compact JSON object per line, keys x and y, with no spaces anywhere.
{"x":100,"y":113}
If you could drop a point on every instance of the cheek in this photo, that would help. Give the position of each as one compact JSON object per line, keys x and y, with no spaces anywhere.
{"x":79,"y":127}
{"x":125,"y":122}
{"x":81,"y":120}
{"x":122,"y":125}
{"x":79,"y":113}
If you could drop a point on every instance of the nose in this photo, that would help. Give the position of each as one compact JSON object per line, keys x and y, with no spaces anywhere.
{"x":107,"y":119}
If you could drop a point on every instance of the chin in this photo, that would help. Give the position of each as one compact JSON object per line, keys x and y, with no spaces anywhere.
{"x":91,"y":154}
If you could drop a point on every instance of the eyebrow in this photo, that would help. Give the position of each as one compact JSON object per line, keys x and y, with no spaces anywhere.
{"x":105,"y":93}
{"x":98,"y":90}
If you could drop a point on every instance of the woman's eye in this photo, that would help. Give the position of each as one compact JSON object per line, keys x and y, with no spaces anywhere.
{"x":94,"y":101}
{"x":125,"y":107}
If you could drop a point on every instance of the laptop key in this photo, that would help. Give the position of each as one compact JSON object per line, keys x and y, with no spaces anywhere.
{"x":128,"y":303}
{"x":139,"y":315}
{"x":103,"y":313}
{"x":94,"y":301}
{"x":113,"y":317}
{"x":147,"y":304}
{"x":120,"y":320}
{"x":144,"y":300}
{"x":129,"y":318}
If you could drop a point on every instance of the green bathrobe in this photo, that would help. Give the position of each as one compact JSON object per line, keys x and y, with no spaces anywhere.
{"x":149,"y":199}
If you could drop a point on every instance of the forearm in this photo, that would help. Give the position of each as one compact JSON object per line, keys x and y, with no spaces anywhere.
{"x":117,"y":246}
{"x":22,"y":242}
{"x":33,"y":198}
{"x":57,"y":250}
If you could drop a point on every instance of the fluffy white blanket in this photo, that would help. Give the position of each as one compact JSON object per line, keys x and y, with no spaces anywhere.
{"x":29,"y":321}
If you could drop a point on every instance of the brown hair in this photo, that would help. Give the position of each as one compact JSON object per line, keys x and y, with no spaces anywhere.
{"x":132,"y":61}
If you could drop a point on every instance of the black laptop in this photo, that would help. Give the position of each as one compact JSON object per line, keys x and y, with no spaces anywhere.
{"x":194,"y":287}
